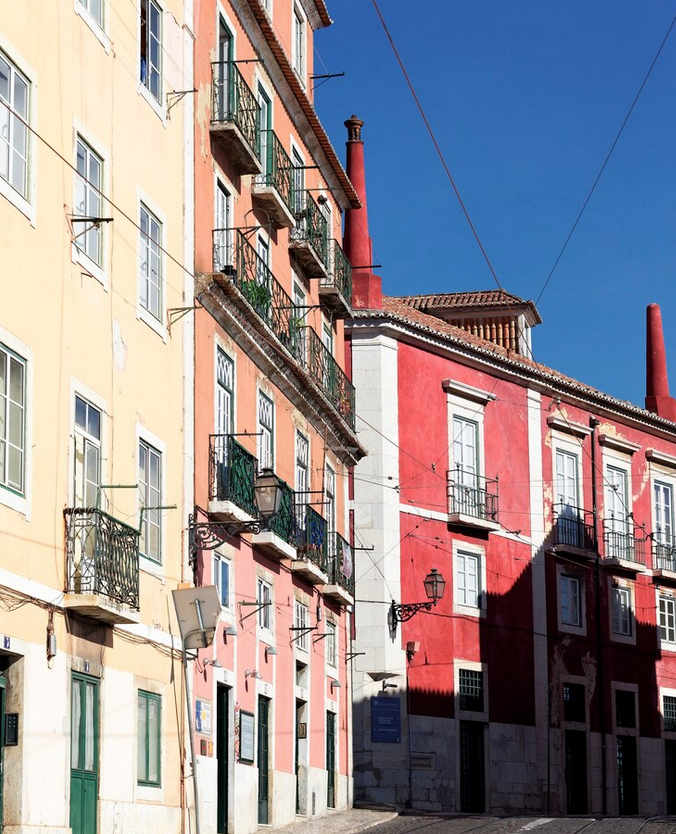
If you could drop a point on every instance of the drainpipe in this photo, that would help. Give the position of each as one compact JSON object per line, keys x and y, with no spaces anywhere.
{"x":600,"y":680}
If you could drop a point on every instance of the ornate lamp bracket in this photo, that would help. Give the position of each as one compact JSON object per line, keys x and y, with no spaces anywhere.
{"x":404,"y":612}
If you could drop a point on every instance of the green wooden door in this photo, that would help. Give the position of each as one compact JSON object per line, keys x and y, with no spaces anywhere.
{"x":263,"y":760}
{"x":84,"y":754}
{"x":331,"y":759}
{"x":222,"y":759}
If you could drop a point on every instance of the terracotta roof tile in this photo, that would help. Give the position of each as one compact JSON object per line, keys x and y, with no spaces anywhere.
{"x":468,"y":301}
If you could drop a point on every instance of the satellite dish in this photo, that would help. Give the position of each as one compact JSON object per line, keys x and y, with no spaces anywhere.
{"x":197,"y":611}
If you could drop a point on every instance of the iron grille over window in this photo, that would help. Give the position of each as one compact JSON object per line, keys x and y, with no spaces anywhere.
{"x":625,"y":708}
{"x":669,"y":710}
{"x":574,"y":702}
{"x":471,"y":690}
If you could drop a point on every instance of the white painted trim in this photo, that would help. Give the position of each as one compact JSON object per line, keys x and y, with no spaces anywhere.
{"x":78,"y":388}
{"x":144,"y":315}
{"x":147,"y":564}
{"x":618,"y":444}
{"x":158,"y":107}
{"x":568,"y":426}
{"x":662,"y":591}
{"x":671,"y":693}
{"x":661,"y":458}
{"x":480,"y":553}
{"x":99,"y":32}
{"x":618,"y":582}
{"x":573,"y":725}
{"x":472,"y":666}
{"x":467,"y":392}
{"x":625,"y":731}
{"x":8,"y":498}
{"x":569,"y":628}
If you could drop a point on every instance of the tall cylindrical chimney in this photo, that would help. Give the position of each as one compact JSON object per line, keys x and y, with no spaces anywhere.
{"x":657,"y":397}
{"x":367,"y":290}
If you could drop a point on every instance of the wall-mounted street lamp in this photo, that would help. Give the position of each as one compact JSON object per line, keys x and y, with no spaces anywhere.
{"x":208,"y":535}
{"x":434,"y":588}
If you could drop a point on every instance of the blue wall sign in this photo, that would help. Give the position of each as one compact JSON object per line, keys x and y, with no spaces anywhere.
{"x":386,"y":720}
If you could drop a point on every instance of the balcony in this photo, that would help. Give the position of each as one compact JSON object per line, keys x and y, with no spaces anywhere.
{"x":234,"y":117}
{"x":472,"y":500}
{"x":309,"y":238}
{"x":280,"y":540}
{"x":335,"y":289}
{"x":341,"y":571}
{"x":311,"y":560}
{"x":664,"y":556}
{"x":621,"y":546}
{"x":102,"y":567}
{"x":330,"y":377}
{"x":272,"y":189}
{"x":232,"y":470}
{"x":573,"y":531}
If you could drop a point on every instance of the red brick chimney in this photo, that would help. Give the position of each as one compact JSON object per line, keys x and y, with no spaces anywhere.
{"x":657,"y":397}
{"x":367,"y":289}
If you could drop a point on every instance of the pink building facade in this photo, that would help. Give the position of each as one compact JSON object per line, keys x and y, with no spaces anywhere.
{"x":543,"y":681}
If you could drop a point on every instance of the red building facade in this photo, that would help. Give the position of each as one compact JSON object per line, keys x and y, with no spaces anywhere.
{"x":544,"y":679}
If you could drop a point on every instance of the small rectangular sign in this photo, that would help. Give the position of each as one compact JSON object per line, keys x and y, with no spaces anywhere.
{"x":203,"y":717}
{"x":246,"y":737}
{"x":302,"y":730}
{"x":11,"y":729}
{"x":386,"y":720}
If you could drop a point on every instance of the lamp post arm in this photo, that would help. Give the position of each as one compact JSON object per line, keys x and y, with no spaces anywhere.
{"x":404,"y":612}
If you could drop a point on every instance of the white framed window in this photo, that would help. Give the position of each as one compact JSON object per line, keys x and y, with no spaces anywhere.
{"x":571,"y":600}
{"x":465,"y":451}
{"x":668,"y":698}
{"x":12,"y":421}
{"x":330,"y":498}
{"x":222,"y":227}
{"x":469,"y":579}
{"x":266,"y":431}
{"x":150,"y":263}
{"x":663,"y":504}
{"x":222,"y":576}
{"x":88,"y":232}
{"x":302,"y":479}
{"x":14,"y":116}
{"x":87,"y":440}
{"x":94,"y":9}
{"x":298,"y":165}
{"x":301,"y":622}
{"x":299,"y":323}
{"x":622,"y":613}
{"x":150,"y":54}
{"x":331,"y":643}
{"x":299,"y":45}
{"x":264,"y":600}
{"x":225,"y":393}
{"x":566,"y":480}
{"x":667,"y":619}
{"x":470,"y":688}
{"x":150,"y":486}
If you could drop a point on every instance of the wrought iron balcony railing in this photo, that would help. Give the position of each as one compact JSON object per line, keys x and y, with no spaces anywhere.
{"x":234,"y":101}
{"x":284,"y":523}
{"x":573,"y":527}
{"x":232,"y":470}
{"x":311,"y":226}
{"x":102,"y":556}
{"x":277,"y":168}
{"x":328,"y":374}
{"x":621,"y":542}
{"x":664,"y":551}
{"x":472,"y":495}
{"x":340,"y":272}
{"x":341,"y":565}
{"x":311,"y":536}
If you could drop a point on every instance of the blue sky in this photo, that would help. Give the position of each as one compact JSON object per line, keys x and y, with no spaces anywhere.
{"x":525,"y":99}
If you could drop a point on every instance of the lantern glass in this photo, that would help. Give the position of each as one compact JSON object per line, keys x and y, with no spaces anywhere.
{"x":434,"y":585}
{"x":268,"y":491}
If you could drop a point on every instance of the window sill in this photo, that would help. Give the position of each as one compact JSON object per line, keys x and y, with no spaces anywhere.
{"x":154,"y":324}
{"x":469,"y":610}
{"x":15,"y":501}
{"x":18,"y":201}
{"x":157,"y":107}
{"x":92,"y":24}
{"x":91,"y":267}
{"x":567,"y":628}
{"x":623,"y":638}
{"x":148,"y":565}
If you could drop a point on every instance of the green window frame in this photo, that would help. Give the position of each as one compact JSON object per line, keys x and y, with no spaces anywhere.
{"x":149,"y":739}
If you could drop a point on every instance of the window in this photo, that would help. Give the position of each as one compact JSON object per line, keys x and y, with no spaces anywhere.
{"x":149,"y":735}
{"x":664,"y":512}
{"x":222,"y":222}
{"x":574,"y":703}
{"x":149,"y":476}
{"x":331,"y":643}
{"x":667,"y":619}
{"x":468,"y":579}
{"x":471,"y":690}
{"x":625,"y":709}
{"x":266,"y":146}
{"x":266,"y":428}
{"x":150,"y":243}
{"x":566,"y":478}
{"x":222,"y":579}
{"x":669,"y":713}
{"x":465,"y":458}
{"x":298,"y":56}
{"x":87,"y":453}
{"x":88,"y":236}
{"x":571,"y":600}
{"x":14,"y":89}
{"x":12,"y":420}
{"x":95,"y":9}
{"x":299,"y":324}
{"x":264,"y":600}
{"x":302,"y":477}
{"x":621,"y":610}
{"x":151,"y":45}
{"x":298,"y":165}
{"x":301,"y":622}
{"x":330,"y":509}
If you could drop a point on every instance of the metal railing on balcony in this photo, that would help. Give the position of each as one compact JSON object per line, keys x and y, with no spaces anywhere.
{"x":102,"y":556}
{"x":573,"y":527}
{"x":311,"y":535}
{"x":311,"y":226}
{"x":232,"y":470}
{"x":664,"y":551}
{"x":234,"y":101}
{"x":621,"y":542}
{"x":277,"y":168}
{"x":340,"y":271}
{"x":328,"y":374}
{"x":341,"y":565}
{"x":284,"y":523}
{"x":472,"y":495}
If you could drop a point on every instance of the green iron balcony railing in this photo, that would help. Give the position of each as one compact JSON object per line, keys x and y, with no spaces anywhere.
{"x":232,"y":471}
{"x":311,"y":535}
{"x":277,"y":168}
{"x":340,"y":272}
{"x":234,"y":101}
{"x":621,"y":542}
{"x":311,"y":226}
{"x":341,"y":565}
{"x":284,"y":523}
{"x":328,"y":374}
{"x":102,"y":556}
